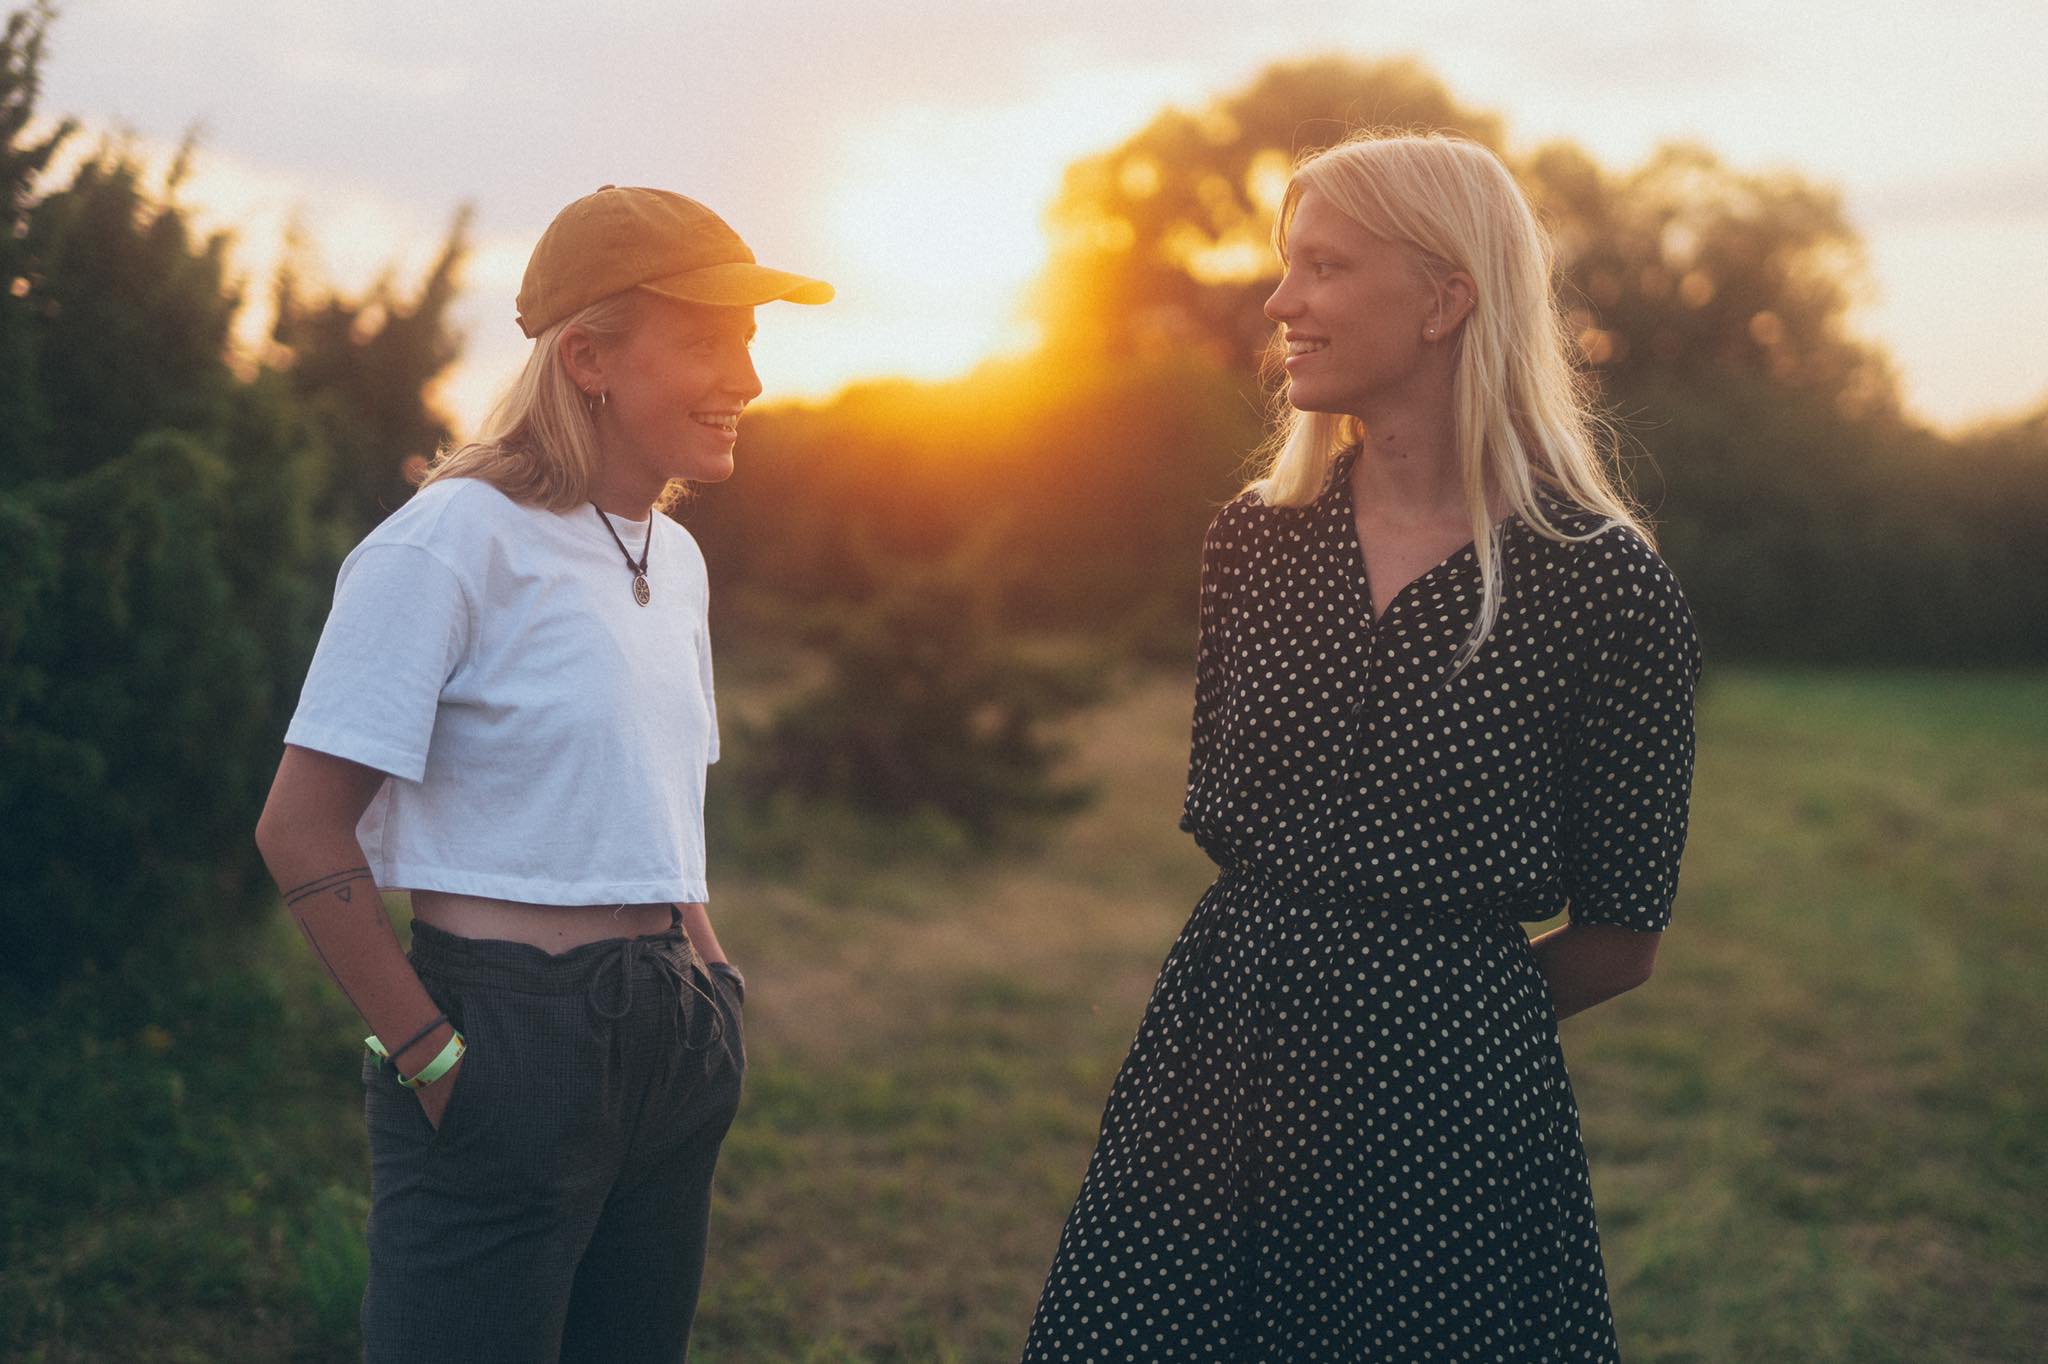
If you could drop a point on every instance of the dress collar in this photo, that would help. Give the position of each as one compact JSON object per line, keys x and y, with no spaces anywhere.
{"x":1339,"y":525}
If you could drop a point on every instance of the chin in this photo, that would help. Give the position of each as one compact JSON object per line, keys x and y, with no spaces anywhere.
{"x":1312,"y":401}
{"x":712,"y":469}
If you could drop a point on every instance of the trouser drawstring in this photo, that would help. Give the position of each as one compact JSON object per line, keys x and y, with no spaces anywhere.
{"x":624,"y":962}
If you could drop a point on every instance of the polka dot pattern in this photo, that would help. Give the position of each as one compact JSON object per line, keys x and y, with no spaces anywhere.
{"x":1345,"y":1130}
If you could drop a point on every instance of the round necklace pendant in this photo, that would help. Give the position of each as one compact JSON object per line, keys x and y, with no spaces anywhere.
{"x":641,"y":592}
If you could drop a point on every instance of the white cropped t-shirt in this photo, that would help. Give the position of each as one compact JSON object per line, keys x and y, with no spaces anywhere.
{"x":546,"y":735}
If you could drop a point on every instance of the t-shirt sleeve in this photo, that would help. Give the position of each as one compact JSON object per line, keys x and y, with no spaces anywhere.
{"x":1629,"y":755}
{"x":399,"y":628}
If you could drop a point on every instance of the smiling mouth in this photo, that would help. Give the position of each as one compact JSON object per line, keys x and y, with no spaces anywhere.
{"x":1305,"y":346}
{"x":728,"y":422}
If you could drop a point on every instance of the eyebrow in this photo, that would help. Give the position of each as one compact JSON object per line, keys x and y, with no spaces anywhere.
{"x":712,"y":330}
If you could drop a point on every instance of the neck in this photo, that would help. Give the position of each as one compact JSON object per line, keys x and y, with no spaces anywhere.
{"x":1408,"y":468}
{"x":620,"y":494}
{"x":624,"y":511}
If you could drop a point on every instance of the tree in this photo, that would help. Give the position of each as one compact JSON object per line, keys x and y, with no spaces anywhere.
{"x":23,"y":419}
{"x":926,"y":709}
{"x":364,"y":367}
{"x":1807,"y":516}
{"x":131,"y":316}
{"x":1683,"y":265}
{"x":1165,"y":241}
{"x":1685,"y":268}
{"x":168,"y":541}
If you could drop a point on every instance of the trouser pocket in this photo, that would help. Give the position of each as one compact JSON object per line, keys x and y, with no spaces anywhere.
{"x":392,"y":1109}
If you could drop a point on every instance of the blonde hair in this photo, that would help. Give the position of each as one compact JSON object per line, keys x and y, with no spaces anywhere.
{"x":539,"y":444}
{"x":1522,"y":415}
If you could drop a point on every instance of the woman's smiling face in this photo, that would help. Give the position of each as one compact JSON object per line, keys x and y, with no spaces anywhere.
{"x":1355,"y":308}
{"x":675,"y":387}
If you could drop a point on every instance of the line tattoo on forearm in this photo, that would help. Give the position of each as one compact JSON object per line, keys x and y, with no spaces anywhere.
{"x":328,"y":966}
{"x":341,"y":883}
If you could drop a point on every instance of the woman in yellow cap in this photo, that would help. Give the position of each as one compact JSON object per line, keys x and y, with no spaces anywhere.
{"x":509,"y":716}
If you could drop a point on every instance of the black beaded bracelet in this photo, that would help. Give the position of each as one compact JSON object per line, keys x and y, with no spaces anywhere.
{"x":414,"y":1040}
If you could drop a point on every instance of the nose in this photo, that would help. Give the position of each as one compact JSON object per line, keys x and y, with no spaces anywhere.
{"x":741,"y":378}
{"x":1282,"y":304}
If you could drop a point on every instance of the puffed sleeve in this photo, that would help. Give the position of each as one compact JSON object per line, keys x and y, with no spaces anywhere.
{"x":1629,"y":742}
{"x":399,"y":627}
{"x":1211,"y":687}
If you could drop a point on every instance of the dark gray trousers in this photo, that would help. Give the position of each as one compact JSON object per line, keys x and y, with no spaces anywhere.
{"x":560,"y":1212}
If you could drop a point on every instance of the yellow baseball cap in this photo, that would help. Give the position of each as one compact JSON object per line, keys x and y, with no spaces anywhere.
{"x":634,"y":238}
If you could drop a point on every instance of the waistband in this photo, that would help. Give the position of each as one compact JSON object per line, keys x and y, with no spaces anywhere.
{"x":533,"y":970}
{"x":1526,"y":903}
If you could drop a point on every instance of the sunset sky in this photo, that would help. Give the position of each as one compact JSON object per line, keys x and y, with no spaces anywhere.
{"x":907,"y":150}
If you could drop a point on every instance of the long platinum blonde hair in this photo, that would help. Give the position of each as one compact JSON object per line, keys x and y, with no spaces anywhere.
{"x":1523,"y":415}
{"x":539,"y":442}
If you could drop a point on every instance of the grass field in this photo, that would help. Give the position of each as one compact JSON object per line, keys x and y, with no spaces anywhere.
{"x":1818,"y":1134}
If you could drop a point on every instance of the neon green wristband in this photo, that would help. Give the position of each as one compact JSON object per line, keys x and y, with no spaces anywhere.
{"x":451,"y":1052}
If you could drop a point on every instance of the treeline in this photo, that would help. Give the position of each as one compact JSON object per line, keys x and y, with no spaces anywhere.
{"x":1809,"y":517}
{"x":172,"y":508}
{"x":171,"y":518}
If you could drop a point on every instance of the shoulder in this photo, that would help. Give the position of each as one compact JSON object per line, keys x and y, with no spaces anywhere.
{"x":1605,"y":554}
{"x":674,"y":543}
{"x":465,"y":527}
{"x":1609,"y":569}
{"x":1630,"y":597}
{"x":1233,"y":537}
{"x":1622,"y":572}
{"x":1237,"y":516}
{"x":675,"y":537}
{"x":1245,"y":520}
{"x":451,"y":516}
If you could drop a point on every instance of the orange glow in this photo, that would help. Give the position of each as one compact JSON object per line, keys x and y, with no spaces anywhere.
{"x":1265,"y":180}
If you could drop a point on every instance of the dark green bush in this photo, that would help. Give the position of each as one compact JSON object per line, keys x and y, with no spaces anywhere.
{"x":169,"y":530}
{"x":929,"y":716}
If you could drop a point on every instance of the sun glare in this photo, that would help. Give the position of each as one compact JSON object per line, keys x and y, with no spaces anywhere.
{"x":937,"y":222}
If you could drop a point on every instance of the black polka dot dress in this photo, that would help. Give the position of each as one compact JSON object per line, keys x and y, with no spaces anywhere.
{"x":1344,"y":1131}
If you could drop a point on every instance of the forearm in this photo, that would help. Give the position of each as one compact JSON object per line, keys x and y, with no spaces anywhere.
{"x":329,"y":894}
{"x":1587,"y":964}
{"x":307,"y":836}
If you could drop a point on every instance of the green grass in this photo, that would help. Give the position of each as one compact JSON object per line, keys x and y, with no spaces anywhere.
{"x":1820,"y":1132}
{"x":170,"y":1151}
{"x":1816,"y":1135}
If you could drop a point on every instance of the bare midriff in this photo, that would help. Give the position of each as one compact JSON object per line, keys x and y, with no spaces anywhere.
{"x":551,"y":928}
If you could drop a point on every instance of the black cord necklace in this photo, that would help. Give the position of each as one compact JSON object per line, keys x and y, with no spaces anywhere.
{"x":641,"y":592}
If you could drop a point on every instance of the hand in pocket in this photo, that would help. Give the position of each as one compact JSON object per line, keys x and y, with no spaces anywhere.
{"x":434,"y":1098}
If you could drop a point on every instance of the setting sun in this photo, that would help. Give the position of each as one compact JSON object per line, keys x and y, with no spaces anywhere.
{"x":935,"y":232}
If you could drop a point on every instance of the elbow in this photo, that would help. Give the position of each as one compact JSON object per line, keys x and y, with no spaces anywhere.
{"x":1638,"y":965}
{"x":1621,"y":958}
{"x":266,"y":837}
{"x":279,"y":836}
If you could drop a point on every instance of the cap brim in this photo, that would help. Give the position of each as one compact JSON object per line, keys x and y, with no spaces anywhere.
{"x":739,"y":284}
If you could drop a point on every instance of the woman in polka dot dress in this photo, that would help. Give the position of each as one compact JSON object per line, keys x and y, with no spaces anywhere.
{"x":1444,"y":685}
